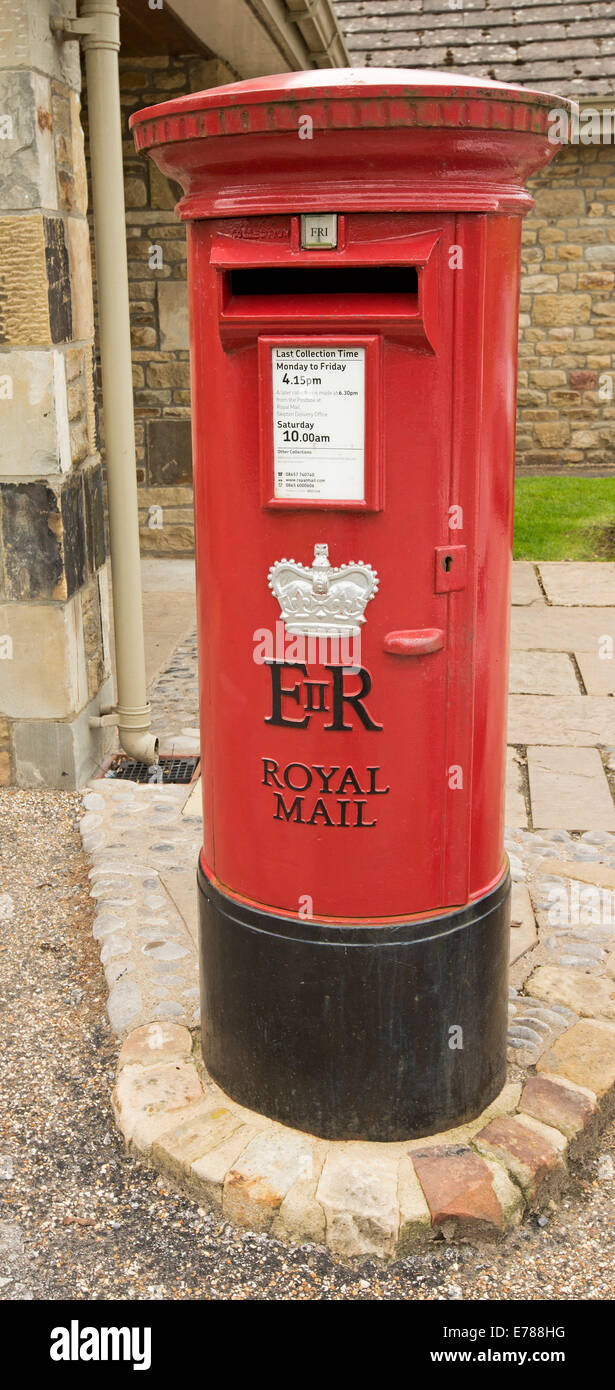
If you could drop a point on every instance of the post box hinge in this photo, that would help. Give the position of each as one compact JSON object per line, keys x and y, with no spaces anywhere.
{"x":451,"y":564}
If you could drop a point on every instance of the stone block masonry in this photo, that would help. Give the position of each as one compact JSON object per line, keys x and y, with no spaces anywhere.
{"x":54,"y":645}
{"x":566,"y":386}
{"x":157,"y":273}
{"x":566,"y":381}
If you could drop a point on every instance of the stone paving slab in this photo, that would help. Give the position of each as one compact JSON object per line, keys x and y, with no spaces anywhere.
{"x":193,"y":806}
{"x":580,"y":721}
{"x":569,"y":790}
{"x":169,"y":610}
{"x":579,"y":584}
{"x":516,"y":809}
{"x":300,"y":1216}
{"x":585,"y":1055}
{"x":541,"y":628}
{"x":598,"y":672}
{"x":525,"y":586}
{"x":167,"y":576}
{"x":600,"y":874}
{"x":209,"y":1126}
{"x":155,"y":1043}
{"x":523,"y":931}
{"x":182,"y":888}
{"x":358,"y":1192}
{"x":261,"y":1177}
{"x":589,"y":995}
{"x":414,"y":1213}
{"x":542,"y":673}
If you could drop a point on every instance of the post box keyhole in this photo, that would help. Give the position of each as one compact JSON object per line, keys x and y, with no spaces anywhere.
{"x":447,"y":563}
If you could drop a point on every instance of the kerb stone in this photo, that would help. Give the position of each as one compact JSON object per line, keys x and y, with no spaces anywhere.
{"x":179,"y":1148}
{"x":155,"y":1043}
{"x":414,"y":1214}
{"x":258,"y":1182}
{"x":147,"y":1101}
{"x":358,"y":1193}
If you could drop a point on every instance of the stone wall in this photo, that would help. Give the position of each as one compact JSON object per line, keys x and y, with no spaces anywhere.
{"x":159,"y":309}
{"x":565,"y":420}
{"x":54,"y":644}
{"x":566,"y":410}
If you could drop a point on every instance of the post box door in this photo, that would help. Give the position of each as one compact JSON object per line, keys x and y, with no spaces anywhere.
{"x":335,"y":784}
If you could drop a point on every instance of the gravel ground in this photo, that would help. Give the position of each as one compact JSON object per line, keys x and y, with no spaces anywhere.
{"x":80,"y":1219}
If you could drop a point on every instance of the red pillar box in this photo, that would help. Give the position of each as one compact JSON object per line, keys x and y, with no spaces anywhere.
{"x":353,"y":278}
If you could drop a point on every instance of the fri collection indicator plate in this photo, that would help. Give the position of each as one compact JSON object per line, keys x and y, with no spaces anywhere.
{"x":318,"y":422}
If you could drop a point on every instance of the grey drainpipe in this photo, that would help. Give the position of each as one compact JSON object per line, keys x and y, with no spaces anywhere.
{"x":98,"y":28}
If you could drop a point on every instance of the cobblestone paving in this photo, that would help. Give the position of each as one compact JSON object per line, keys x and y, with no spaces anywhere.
{"x":139,"y":844}
{"x":575,"y":919}
{"x":174,"y":698}
{"x":146,"y":911}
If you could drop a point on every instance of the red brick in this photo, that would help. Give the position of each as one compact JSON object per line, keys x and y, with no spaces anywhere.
{"x":526,"y":1154}
{"x":458,"y":1186}
{"x":557,"y":1104}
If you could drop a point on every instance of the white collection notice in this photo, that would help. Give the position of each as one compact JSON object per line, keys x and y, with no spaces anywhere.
{"x":319,"y":423}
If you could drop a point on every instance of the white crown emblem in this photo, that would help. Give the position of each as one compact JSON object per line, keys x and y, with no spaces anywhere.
{"x":324,"y":600}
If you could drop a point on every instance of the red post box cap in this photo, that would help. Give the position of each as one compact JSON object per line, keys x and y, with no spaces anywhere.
{"x":353,"y":139}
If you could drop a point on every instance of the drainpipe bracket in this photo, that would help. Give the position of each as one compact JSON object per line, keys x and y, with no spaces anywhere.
{"x":104,"y":719}
{"x":65,"y":28}
{"x":98,"y":25}
{"x":137,"y":719}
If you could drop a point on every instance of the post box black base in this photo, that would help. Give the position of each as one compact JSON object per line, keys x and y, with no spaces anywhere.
{"x":354,"y":1032}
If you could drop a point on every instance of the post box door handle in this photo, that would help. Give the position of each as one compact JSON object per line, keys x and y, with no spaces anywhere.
{"x":414,"y":642}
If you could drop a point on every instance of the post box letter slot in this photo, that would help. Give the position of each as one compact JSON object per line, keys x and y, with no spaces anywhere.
{"x":388,"y":280}
{"x":420,"y":642}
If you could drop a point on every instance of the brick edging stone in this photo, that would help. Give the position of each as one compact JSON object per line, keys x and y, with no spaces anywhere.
{"x":365,"y":1199}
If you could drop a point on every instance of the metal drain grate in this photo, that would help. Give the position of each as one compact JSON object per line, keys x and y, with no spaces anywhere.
{"x":168,"y":769}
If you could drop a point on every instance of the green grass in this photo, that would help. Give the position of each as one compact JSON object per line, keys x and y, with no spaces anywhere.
{"x":565,"y":519}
